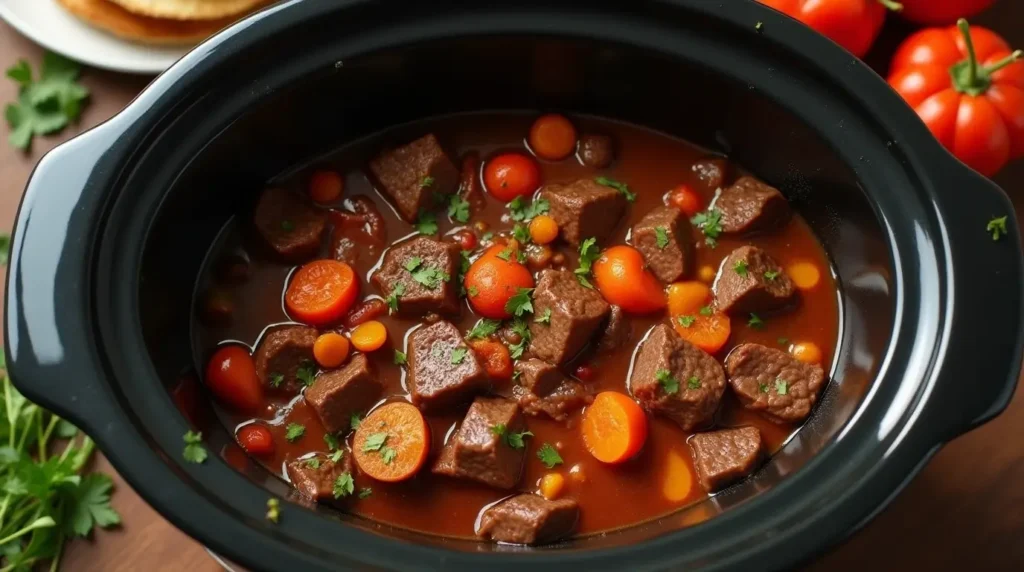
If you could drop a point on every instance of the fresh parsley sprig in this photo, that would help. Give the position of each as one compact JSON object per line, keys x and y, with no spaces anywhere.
{"x":46,"y":104}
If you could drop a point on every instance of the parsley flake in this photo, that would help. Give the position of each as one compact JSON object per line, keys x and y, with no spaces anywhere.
{"x":483,"y":328}
{"x":336,"y":456}
{"x":374,"y":442}
{"x":621,"y":187}
{"x":693,"y":382}
{"x":46,"y":105}
{"x":781,"y":386}
{"x":306,"y":373}
{"x":473,"y":292}
{"x":459,"y":355}
{"x":294,"y":432}
{"x":997,"y":226}
{"x":521,"y":233}
{"x":506,"y":254}
{"x":667,"y":382}
{"x":400,"y":358}
{"x":426,"y":223}
{"x":517,"y":440}
{"x":710,"y":223}
{"x":276,"y":379}
{"x":458,"y":209}
{"x":392,"y":299}
{"x":520,"y":303}
{"x":544,"y":317}
{"x":755,"y":322}
{"x":771,"y":275}
{"x":413,"y":263}
{"x":762,"y":387}
{"x":706,"y":311}
{"x":426,"y":182}
{"x":522,"y":212}
{"x":388,"y":455}
{"x":365,"y":492}
{"x":344,"y":485}
{"x":741,"y":268}
{"x":661,"y":237}
{"x":549,"y":456}
{"x":355,"y":421}
{"x":194,"y":450}
{"x":331,"y":441}
{"x":273,"y":510}
{"x":589,"y":253}
{"x":783,"y":341}
{"x":686,"y":321}
{"x":430,"y":277}
{"x":313,"y":463}
{"x":522,"y":329}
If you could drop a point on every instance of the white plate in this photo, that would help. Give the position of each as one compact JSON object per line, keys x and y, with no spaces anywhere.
{"x":48,"y":24}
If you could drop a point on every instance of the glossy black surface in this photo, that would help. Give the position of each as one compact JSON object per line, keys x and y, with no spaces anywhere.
{"x":113,"y":226}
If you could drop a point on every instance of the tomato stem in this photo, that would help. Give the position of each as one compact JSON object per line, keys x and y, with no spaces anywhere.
{"x":972,"y":57}
{"x":891,"y":5}
{"x":1012,"y":58}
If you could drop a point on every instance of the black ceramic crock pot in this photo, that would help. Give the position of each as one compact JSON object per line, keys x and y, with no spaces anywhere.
{"x":115,"y":224}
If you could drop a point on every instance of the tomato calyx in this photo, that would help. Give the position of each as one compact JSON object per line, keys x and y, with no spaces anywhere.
{"x":892,"y":5}
{"x":970,"y":78}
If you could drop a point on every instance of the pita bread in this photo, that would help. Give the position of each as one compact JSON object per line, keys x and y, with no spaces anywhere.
{"x":112,"y":18}
{"x":190,"y":9}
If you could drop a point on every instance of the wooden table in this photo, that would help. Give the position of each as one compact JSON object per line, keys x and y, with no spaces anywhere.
{"x":964,"y":511}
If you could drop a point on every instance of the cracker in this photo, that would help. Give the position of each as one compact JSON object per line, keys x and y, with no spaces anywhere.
{"x":116,"y":20}
{"x":190,"y":9}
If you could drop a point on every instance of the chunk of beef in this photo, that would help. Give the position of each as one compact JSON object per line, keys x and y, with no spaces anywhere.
{"x":315,"y":477}
{"x":750,"y":280}
{"x":411,"y":174}
{"x":337,"y":394}
{"x":577,"y":313}
{"x":360,"y":233}
{"x":569,"y":396}
{"x":749,"y":205}
{"x":282,"y":353}
{"x":529,"y":519}
{"x":470,"y":188}
{"x":538,"y":376}
{"x":663,"y":238}
{"x":477,"y":452}
{"x":596,"y":151}
{"x":419,"y":274}
{"x":443,"y":370}
{"x":722,"y":457}
{"x":289,"y":225}
{"x":774,"y":382}
{"x":711,"y":172}
{"x":674,"y":378}
{"x":584,"y":209}
{"x":617,"y":331}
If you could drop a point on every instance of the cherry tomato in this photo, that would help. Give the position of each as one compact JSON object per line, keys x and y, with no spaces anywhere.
{"x":853,"y":24}
{"x":623,"y":280}
{"x":969,"y":94}
{"x":941,"y":12}
{"x":552,"y":137}
{"x":256,"y":439}
{"x":466,"y":239}
{"x":685,"y":199}
{"x":584,"y":373}
{"x":493,"y":279}
{"x":511,"y":175}
{"x":231,"y":376}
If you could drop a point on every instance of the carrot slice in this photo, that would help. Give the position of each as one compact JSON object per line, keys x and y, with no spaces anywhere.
{"x":392,"y":443}
{"x":687,"y":297}
{"x":614,"y":427}
{"x":709,"y":333}
{"x":330,"y":349}
{"x":805,"y":275}
{"x":369,"y":336}
{"x":495,"y":357}
{"x":807,"y":352}
{"x":677,"y":483}
{"x":321,"y":292}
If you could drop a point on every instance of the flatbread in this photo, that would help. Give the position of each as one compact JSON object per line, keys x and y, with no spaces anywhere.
{"x":112,"y":18}
{"x":190,"y":9}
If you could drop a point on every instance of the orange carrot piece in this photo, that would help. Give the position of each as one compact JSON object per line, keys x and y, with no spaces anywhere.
{"x":805,"y":275}
{"x":552,"y":137}
{"x":330,"y":349}
{"x":392,"y":443}
{"x":321,"y":292}
{"x":369,"y":336}
{"x":687,"y":298}
{"x":807,"y":352}
{"x":622,"y":278}
{"x":677,"y":482}
{"x":709,"y":333}
{"x":495,"y":357}
{"x":614,"y":427}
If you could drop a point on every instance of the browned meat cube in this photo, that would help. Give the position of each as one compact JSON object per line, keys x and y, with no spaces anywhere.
{"x":479,"y":451}
{"x":584,"y":209}
{"x":711,"y":172}
{"x":419,"y":274}
{"x":617,"y":332}
{"x":751,"y":281}
{"x":443,"y":370}
{"x":411,"y":174}
{"x":722,"y":457}
{"x":289,"y":225}
{"x":282,"y":353}
{"x":577,"y":313}
{"x":337,"y":394}
{"x":569,"y":396}
{"x":663,"y":237}
{"x":774,"y":382}
{"x":538,"y":376}
{"x":749,"y":205}
{"x":676,"y":379}
{"x":596,"y":151}
{"x":320,"y":479}
{"x":529,"y":519}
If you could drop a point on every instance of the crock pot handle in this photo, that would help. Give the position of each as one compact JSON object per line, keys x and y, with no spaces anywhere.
{"x":981,"y":361}
{"x":51,"y":357}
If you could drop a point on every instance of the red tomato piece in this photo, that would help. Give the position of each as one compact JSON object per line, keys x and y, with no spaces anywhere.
{"x":853,"y":24}
{"x":685,"y":199}
{"x":511,"y":175}
{"x":231,"y":376}
{"x":256,"y":439}
{"x":939,"y":12}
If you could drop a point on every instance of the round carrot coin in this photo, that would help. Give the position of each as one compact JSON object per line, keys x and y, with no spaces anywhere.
{"x":392,"y":443}
{"x":552,"y":137}
{"x":321,"y":292}
{"x":614,"y":427}
{"x":330,"y":349}
{"x":369,"y":336}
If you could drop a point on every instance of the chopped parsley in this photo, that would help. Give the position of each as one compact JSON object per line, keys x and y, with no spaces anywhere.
{"x":661,"y":237}
{"x":483,"y":329}
{"x":430,"y":277}
{"x":520,"y":327}
{"x":771,"y":275}
{"x":755,"y":322}
{"x":544,"y":317}
{"x":621,"y":187}
{"x":589,"y":252}
{"x":506,"y":254}
{"x":276,"y":379}
{"x":355,"y":420}
{"x":194,"y":450}
{"x":686,"y":321}
{"x":783,"y":341}
{"x":426,"y":182}
{"x":365,"y":492}
{"x":710,"y":223}
{"x":549,"y":456}
{"x":426,"y":223}
{"x":781,"y":386}
{"x":392,"y":299}
{"x":336,"y":456}
{"x":706,"y":311}
{"x":763,"y":388}
{"x":517,"y":440}
{"x":388,"y":455}
{"x":498,"y":430}
{"x":374,"y":442}
{"x":400,"y":358}
{"x":997,"y":226}
{"x":759,"y":27}
{"x":313,"y":463}
{"x":306,"y":373}
{"x":520,"y":303}
{"x":693,"y":382}
{"x":413,"y":263}
{"x":741,"y":268}
{"x":458,"y":209}
{"x":331,"y":441}
{"x":487,"y":236}
{"x":667,"y":382}
{"x":287,"y":225}
{"x":344,"y":485}
{"x":294,"y":432}
{"x":522,"y":212}
{"x":459,"y":355}
{"x":273,"y":510}
{"x":473,"y":291}
{"x":521,"y":233}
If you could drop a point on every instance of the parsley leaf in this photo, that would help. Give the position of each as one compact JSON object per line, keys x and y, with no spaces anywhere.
{"x":498,"y":430}
{"x":458,"y":209}
{"x":355,"y":420}
{"x":589,"y":252}
{"x":313,"y":463}
{"x":374,"y":442}
{"x":549,"y":456}
{"x":741,"y":268}
{"x":473,"y":292}
{"x":276,"y":379}
{"x":306,"y":373}
{"x":336,"y":456}
{"x":400,"y":358}
{"x":426,"y":182}
{"x":522,"y":329}
{"x":459,"y":355}
{"x":693,"y":382}
{"x":194,"y":450}
{"x":686,"y":321}
{"x":5,"y":250}
{"x":997,"y":226}
{"x":710,"y":223}
{"x":294,"y":432}
{"x":388,"y":455}
{"x":426,"y":223}
{"x":544,"y":317}
{"x":661,"y":237}
{"x":521,"y":233}
{"x":763,"y":388}
{"x":517,"y":440}
{"x":506,"y":254}
{"x":392,"y":299}
{"x":430,"y":276}
{"x":520,"y":303}
{"x":365,"y":492}
{"x":344,"y":485}
{"x":413,"y":263}
{"x":621,"y":187}
{"x":771,"y":275}
{"x":521,"y":212}
{"x":46,"y":105}
{"x":331,"y":441}
{"x":668,"y":383}
{"x":755,"y":322}
{"x":706,"y":311}
{"x":483,"y":329}
{"x":91,"y":505}
{"x":781,"y":386}
{"x":273,"y":510}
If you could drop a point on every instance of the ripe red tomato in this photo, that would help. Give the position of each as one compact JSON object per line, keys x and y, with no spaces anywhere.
{"x":853,"y":24}
{"x":231,"y":376}
{"x":493,"y":279}
{"x":256,"y":439}
{"x":685,"y":199}
{"x":511,"y":175}
{"x":975,"y":111}
{"x":939,"y":12}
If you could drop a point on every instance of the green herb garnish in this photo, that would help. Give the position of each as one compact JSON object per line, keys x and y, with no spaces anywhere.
{"x":686,"y":321}
{"x":755,"y":322}
{"x":549,"y":456}
{"x":589,"y":253}
{"x":741,"y":268}
{"x":661,"y":237}
{"x":46,"y":105}
{"x":374,"y":442}
{"x":710,"y":223}
{"x":294,"y":432}
{"x":194,"y":450}
{"x":458,"y":209}
{"x":344,"y":485}
{"x":483,"y":329}
{"x":621,"y":187}
{"x":426,"y":223}
{"x":544,"y":317}
{"x":997,"y":226}
{"x":520,"y":303}
{"x":667,"y":382}
{"x":400,"y":358}
{"x":459,"y":355}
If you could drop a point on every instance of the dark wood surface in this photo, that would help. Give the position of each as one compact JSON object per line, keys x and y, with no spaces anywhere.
{"x":964,"y":511}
